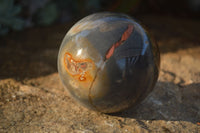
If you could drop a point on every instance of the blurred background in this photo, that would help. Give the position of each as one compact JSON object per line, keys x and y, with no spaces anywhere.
{"x":22,"y":14}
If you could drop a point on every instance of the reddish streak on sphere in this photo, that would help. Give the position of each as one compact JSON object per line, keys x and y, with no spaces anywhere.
{"x":124,"y":37}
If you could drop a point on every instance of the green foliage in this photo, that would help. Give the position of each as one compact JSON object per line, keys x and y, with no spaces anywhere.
{"x":8,"y":16}
{"x":47,"y":15}
{"x":46,"y":12}
{"x":93,"y":5}
{"x":67,"y":4}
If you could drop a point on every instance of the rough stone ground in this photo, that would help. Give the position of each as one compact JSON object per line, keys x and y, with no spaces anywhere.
{"x":32,"y":98}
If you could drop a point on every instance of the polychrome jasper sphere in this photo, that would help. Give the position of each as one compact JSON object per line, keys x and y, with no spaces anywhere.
{"x":107,"y":62}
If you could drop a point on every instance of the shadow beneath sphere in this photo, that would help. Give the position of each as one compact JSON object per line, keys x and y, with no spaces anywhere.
{"x":168,"y":102}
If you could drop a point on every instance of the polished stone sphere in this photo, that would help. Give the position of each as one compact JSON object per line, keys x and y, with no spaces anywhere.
{"x":108,"y":63}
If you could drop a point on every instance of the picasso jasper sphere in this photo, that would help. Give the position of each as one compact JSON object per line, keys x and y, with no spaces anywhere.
{"x":108,"y":63}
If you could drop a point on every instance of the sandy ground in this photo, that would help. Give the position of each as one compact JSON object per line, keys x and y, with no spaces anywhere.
{"x":32,"y":98}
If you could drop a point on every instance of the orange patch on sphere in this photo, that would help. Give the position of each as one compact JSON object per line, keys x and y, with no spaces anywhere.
{"x":79,"y":69}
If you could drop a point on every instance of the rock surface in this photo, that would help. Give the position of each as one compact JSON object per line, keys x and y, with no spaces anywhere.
{"x":32,"y":98}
